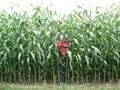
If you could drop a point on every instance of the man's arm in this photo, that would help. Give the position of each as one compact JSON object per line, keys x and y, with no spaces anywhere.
{"x":68,"y":44}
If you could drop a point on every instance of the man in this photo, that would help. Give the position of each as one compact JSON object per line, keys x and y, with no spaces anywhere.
{"x":62,"y":46}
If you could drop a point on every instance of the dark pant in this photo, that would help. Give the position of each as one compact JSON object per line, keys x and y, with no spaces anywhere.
{"x":62,"y":70}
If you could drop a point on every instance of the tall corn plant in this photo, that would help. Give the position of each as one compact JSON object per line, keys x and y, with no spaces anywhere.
{"x":28,"y":54}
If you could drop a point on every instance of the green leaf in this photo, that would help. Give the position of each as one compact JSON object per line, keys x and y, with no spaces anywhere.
{"x":70,"y":55}
{"x":28,"y":60}
{"x":19,"y":56}
{"x":87,"y":60}
{"x":33,"y":56}
{"x":96,"y":49}
{"x":21,"y":48}
{"x":76,"y":41}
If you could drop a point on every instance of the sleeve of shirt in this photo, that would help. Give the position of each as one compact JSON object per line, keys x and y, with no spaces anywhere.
{"x":57,"y":44}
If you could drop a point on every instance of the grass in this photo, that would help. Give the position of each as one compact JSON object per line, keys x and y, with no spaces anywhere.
{"x":58,"y":87}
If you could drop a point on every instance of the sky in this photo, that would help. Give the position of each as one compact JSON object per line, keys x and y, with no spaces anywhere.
{"x":61,"y":6}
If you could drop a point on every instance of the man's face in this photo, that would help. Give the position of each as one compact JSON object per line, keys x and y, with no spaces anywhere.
{"x":61,"y":37}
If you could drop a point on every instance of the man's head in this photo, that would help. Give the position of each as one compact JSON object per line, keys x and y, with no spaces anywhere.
{"x":61,"y":36}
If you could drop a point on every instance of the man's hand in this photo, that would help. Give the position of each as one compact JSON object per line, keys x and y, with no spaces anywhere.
{"x":67,"y":45}
{"x":70,"y":44}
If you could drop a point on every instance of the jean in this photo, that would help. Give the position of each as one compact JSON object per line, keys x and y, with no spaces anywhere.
{"x":62,"y":70}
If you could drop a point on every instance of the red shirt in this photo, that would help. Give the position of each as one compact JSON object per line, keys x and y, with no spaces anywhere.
{"x":63,"y":46}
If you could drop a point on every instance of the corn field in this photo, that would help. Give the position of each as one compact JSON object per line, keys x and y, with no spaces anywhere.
{"x":28,"y":53}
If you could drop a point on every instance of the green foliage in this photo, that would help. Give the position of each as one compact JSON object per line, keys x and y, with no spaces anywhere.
{"x":27,"y":51}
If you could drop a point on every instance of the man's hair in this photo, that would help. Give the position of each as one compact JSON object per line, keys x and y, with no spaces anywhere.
{"x":61,"y":34}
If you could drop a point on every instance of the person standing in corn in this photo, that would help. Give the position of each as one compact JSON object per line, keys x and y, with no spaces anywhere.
{"x":62,"y":46}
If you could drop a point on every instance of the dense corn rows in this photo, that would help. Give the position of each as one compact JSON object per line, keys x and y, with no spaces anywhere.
{"x":28,"y":54}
